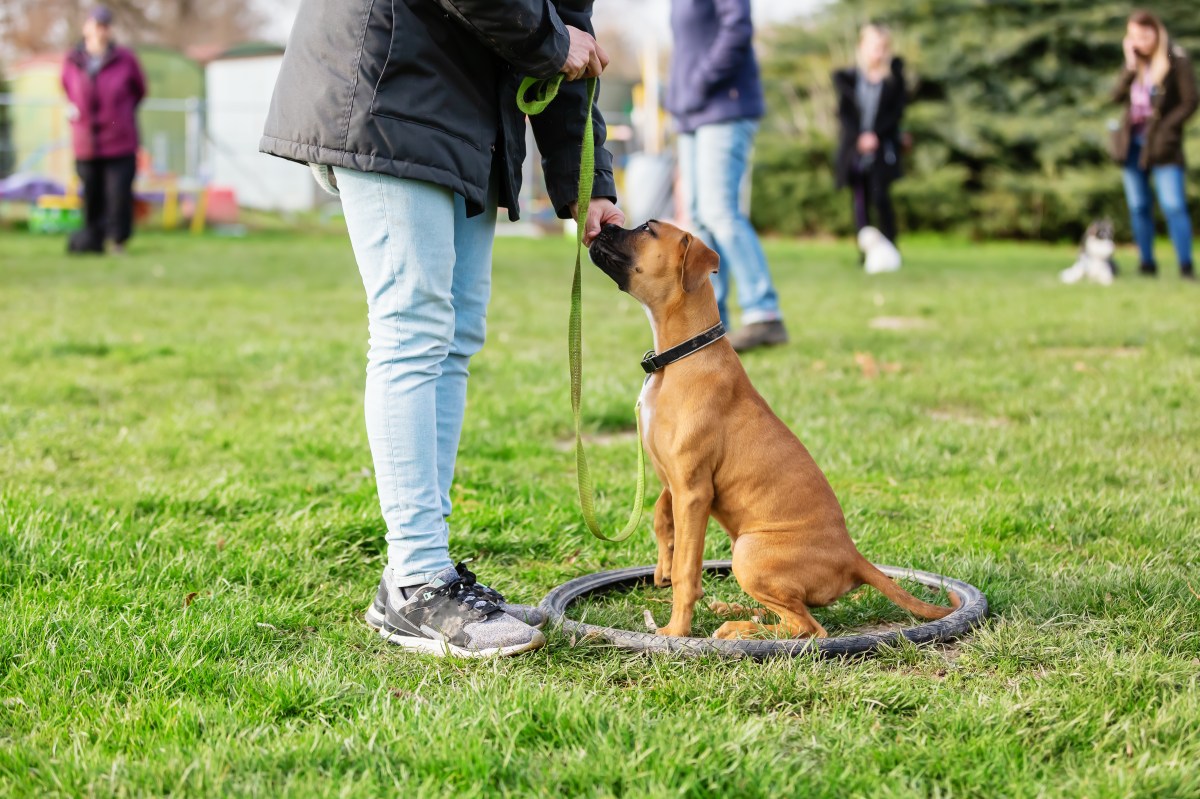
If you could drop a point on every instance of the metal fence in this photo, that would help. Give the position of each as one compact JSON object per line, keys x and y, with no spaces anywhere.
{"x":35,"y":137}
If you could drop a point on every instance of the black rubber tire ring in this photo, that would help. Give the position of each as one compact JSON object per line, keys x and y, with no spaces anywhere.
{"x":970,"y":614}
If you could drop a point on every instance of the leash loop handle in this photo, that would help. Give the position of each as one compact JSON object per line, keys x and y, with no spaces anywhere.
{"x":547,"y":90}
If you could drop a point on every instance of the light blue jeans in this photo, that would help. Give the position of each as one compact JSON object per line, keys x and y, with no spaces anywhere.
{"x":1172,"y":199}
{"x":426,"y":268}
{"x":713,"y":165}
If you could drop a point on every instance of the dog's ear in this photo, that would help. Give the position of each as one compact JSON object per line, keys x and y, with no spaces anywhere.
{"x":699,"y":261}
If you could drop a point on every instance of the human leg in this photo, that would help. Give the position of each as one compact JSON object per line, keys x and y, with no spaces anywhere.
{"x":118,"y":197}
{"x":402,"y":232}
{"x":91,"y":176}
{"x":689,"y":184}
{"x":860,"y":201}
{"x":1172,"y":199}
{"x":470,"y":291}
{"x":722,"y":160}
{"x":1141,"y":213}
{"x":881,"y":196}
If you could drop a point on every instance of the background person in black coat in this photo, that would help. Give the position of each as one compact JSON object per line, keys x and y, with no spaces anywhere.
{"x":871,"y":100}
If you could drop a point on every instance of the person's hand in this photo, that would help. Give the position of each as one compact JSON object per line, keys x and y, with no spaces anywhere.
{"x":1130,"y":54}
{"x":601,"y":211}
{"x":586,"y":58}
{"x":868,"y":142}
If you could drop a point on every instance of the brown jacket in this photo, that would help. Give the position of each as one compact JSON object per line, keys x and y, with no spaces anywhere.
{"x":1173,"y":102}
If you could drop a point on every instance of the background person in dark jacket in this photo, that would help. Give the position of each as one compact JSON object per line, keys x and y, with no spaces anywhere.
{"x":104,"y":84}
{"x":871,"y":100}
{"x":716,"y":99}
{"x":413,"y":105}
{"x":1158,"y":89}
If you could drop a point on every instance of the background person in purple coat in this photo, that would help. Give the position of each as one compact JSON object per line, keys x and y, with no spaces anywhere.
{"x":104,"y":84}
{"x":716,"y":99}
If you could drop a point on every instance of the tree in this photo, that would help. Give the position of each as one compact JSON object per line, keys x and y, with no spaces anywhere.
{"x":28,"y":27}
{"x":1009,"y":107}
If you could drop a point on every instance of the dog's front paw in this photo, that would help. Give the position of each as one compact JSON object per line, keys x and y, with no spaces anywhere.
{"x":675,"y":631}
{"x":662,"y":578}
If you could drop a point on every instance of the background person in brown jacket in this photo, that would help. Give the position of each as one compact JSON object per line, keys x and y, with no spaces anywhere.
{"x":1158,"y":88}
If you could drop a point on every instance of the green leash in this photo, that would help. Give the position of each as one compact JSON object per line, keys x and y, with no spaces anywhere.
{"x":547,"y":90}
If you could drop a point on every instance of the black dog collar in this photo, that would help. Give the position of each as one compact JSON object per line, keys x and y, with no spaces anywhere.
{"x":652,"y":363}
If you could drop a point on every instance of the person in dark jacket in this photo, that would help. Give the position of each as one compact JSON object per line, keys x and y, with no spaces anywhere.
{"x":1157,"y":86}
{"x":408,"y":110}
{"x":104,"y":84}
{"x":871,"y":99}
{"x":716,"y":98}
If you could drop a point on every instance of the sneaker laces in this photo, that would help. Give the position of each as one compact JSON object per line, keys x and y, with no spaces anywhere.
{"x":468,"y":593}
{"x":471,"y":581}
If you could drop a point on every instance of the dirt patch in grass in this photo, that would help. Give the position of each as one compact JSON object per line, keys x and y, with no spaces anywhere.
{"x":961,"y":416}
{"x":901,"y":323}
{"x":1083,"y":352}
{"x":598,"y":440}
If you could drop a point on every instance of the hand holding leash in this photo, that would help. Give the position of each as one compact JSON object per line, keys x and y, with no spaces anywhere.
{"x":586,"y":58}
{"x":601,"y":211}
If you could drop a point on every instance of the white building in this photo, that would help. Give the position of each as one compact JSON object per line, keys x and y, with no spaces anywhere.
{"x":239,"y":85}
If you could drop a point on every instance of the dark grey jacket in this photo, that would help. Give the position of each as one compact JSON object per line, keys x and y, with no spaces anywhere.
{"x":426,"y":90}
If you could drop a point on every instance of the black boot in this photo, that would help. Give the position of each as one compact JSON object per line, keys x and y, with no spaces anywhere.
{"x":1148,"y":270}
{"x":1187,"y":271}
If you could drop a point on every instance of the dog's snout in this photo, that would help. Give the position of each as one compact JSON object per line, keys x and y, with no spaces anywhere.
{"x":607,"y":233}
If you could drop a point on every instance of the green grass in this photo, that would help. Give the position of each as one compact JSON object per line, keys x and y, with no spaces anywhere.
{"x":189,"y":534}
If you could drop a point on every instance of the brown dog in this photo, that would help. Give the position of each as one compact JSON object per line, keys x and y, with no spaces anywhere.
{"x":719,"y":450}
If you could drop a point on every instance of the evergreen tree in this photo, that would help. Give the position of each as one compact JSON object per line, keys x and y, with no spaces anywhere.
{"x":1010,"y":113}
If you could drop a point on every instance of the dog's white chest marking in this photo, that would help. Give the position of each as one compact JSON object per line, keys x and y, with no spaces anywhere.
{"x":653,"y":329}
{"x":645,"y":408}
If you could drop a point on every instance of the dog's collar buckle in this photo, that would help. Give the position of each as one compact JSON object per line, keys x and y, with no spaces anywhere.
{"x":651,"y":363}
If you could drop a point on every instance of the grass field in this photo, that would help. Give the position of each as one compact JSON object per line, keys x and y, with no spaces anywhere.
{"x":189,"y":535}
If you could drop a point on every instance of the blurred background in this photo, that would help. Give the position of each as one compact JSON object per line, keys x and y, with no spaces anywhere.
{"x":1009,"y":114}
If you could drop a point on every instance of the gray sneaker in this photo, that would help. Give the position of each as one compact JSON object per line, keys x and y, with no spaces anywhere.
{"x":448,"y":616}
{"x":758,"y":334}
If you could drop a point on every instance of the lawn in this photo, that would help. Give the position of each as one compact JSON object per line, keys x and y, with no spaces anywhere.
{"x":189,"y":535}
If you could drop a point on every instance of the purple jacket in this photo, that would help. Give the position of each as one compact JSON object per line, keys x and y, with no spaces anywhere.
{"x":714,"y":76}
{"x":105,"y":122}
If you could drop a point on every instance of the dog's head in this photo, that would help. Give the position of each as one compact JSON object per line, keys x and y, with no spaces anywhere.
{"x":869,"y":238}
{"x":655,"y":262}
{"x":1098,"y":241}
{"x":1101,"y":229}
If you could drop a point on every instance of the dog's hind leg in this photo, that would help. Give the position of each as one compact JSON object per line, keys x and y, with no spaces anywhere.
{"x":792,"y":625}
{"x":727,"y":609}
{"x":758,"y":568}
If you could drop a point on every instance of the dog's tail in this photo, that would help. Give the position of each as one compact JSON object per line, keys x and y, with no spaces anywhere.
{"x":867,"y":573}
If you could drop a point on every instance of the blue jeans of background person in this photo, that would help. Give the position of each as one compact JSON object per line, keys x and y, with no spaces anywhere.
{"x":713,"y":163}
{"x":1172,"y":199}
{"x":426,"y":268}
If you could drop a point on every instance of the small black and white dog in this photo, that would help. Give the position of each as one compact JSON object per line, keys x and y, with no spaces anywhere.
{"x":1095,"y":262}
